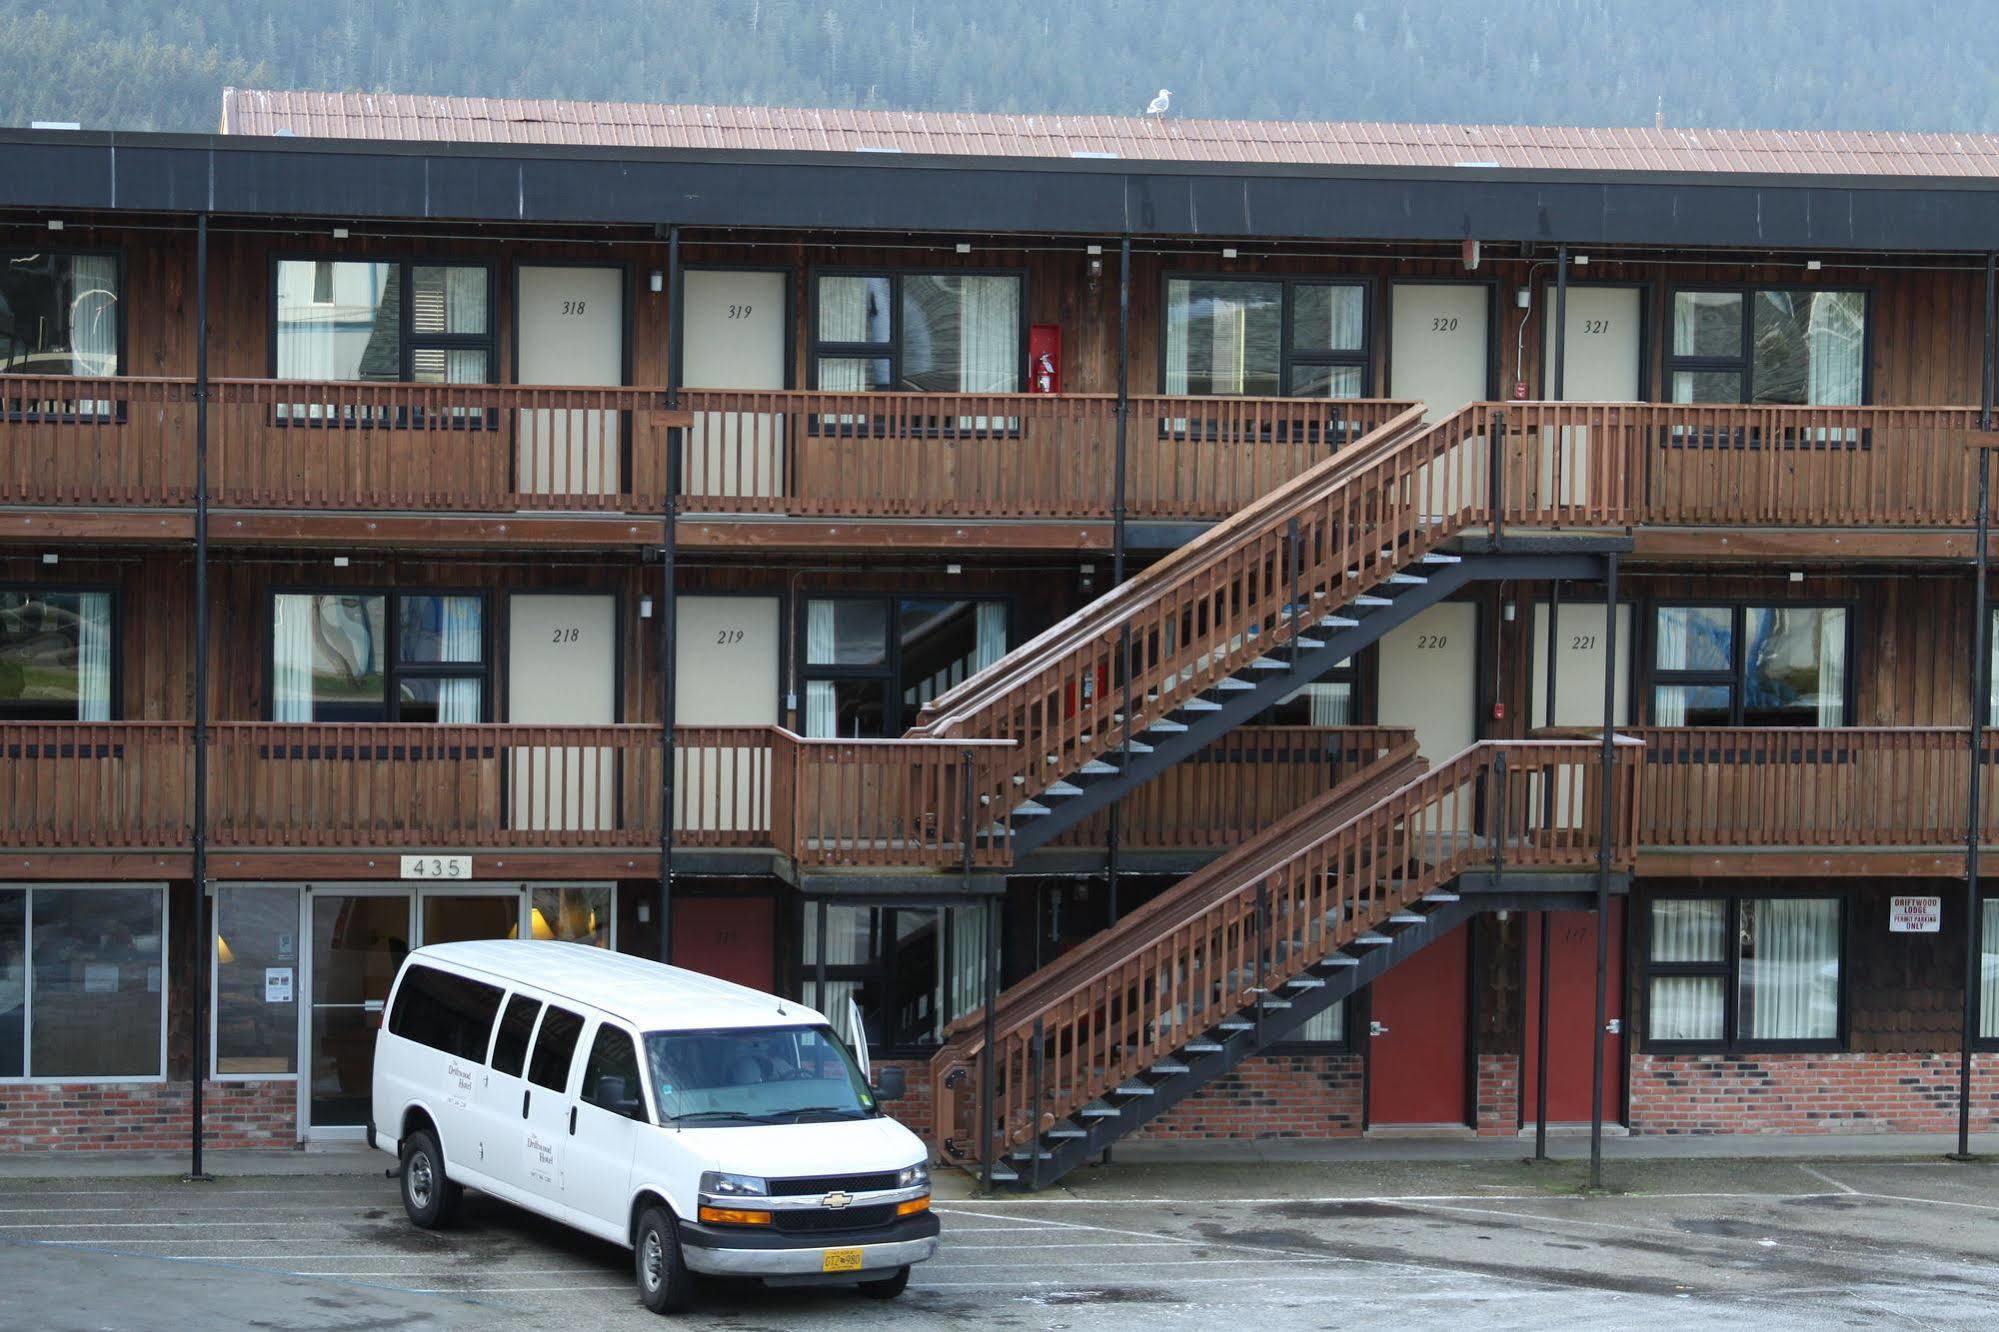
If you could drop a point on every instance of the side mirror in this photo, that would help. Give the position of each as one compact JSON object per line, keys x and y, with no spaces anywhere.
{"x":891,"y":1083}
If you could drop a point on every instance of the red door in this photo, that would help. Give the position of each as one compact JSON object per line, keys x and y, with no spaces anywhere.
{"x":1571,"y":1013}
{"x":729,"y":937}
{"x":1420,"y":1041}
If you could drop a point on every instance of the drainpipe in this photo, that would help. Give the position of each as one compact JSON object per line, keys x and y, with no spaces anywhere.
{"x":1561,"y":320}
{"x":1981,"y":695}
{"x":1547,"y":818}
{"x":1112,"y":836}
{"x":204,"y":948}
{"x":1606,"y":823}
{"x":669,"y":605}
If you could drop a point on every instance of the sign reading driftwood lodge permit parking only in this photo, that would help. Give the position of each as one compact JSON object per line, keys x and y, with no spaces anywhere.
{"x":1915,"y":915}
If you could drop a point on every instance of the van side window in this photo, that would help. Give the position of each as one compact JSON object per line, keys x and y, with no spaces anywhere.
{"x":510,"y":1047}
{"x":611,"y":1077}
{"x":446,"y":1012}
{"x":554,"y":1048}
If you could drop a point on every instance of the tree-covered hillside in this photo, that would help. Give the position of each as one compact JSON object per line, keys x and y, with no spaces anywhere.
{"x":1849,"y":64}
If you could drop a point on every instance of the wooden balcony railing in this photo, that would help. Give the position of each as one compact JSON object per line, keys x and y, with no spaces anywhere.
{"x":857,"y":803}
{"x":1169,"y":973}
{"x":71,"y":440}
{"x":96,"y":785}
{"x":1006,"y":455}
{"x":1239,"y":786}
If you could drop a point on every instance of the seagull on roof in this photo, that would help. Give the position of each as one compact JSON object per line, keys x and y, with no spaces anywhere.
{"x":1158,"y":105}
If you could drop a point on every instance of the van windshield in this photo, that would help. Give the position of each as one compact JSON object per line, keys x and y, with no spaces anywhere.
{"x":755,"y":1075}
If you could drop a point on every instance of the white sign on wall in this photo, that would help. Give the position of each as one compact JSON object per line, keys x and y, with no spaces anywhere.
{"x":1915,"y":915}
{"x":277,"y":985}
{"x":437,"y":867}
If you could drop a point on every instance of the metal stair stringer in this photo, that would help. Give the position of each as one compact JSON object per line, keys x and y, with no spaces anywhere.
{"x":1219,"y":711}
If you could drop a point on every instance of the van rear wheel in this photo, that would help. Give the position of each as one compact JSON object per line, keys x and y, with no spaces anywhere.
{"x":665,"y":1284}
{"x":430,"y":1198}
{"x":888,"y":1287}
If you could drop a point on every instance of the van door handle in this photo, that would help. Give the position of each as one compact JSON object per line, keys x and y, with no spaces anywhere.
{"x":572,"y":1121}
{"x":525,"y":1093}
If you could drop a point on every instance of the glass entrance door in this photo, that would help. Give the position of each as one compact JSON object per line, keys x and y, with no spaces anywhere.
{"x":359,"y":938}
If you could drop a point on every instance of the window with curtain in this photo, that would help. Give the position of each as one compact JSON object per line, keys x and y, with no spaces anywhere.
{"x":1331,"y":700}
{"x":82,"y":982}
{"x":55,"y":655}
{"x":1241,"y":337}
{"x":1805,"y":347}
{"x":911,"y":969}
{"x":1733,"y":972}
{"x":378,"y":656}
{"x":1749,"y":665}
{"x":58,"y":313}
{"x":871,"y":663}
{"x":1988,"y":973}
{"x":384,"y":321}
{"x":918,"y":332}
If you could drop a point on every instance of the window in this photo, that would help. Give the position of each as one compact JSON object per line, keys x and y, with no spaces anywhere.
{"x":1743,"y":972}
{"x":918,"y":332}
{"x":1323,"y":1034}
{"x":554,"y":1048}
{"x":55,"y":655}
{"x":611,"y":1074}
{"x":871,"y":663}
{"x":59,"y":314}
{"x":82,"y":992}
{"x":510,"y":1044}
{"x":1238,"y":337}
{"x":911,"y":969}
{"x":345,"y":320}
{"x":1768,"y":345}
{"x":378,"y":656}
{"x":1331,"y":700}
{"x":1749,"y":666}
{"x":755,"y":1075}
{"x":1988,"y":973}
{"x":573,"y":915}
{"x":446,"y":1012}
{"x":256,"y":981}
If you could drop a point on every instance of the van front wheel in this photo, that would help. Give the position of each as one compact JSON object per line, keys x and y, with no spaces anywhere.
{"x":889,"y":1286}
{"x":430,"y":1198}
{"x":665,"y":1284}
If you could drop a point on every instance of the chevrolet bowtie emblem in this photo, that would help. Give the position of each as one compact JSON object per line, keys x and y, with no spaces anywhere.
{"x":836,"y":1199}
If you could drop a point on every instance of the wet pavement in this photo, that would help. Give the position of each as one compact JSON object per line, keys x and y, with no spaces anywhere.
{"x":1503,"y":1244}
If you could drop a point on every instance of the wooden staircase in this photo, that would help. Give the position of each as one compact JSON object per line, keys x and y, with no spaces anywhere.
{"x":1242,"y":954}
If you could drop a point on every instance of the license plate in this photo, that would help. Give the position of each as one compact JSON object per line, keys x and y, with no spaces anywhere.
{"x":841,"y":1260}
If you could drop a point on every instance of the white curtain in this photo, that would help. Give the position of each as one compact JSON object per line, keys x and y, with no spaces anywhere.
{"x":1687,"y":1008}
{"x":1790,"y":972}
{"x":1330,"y":1025}
{"x":846,"y":944}
{"x":989,"y":335}
{"x":93,"y":314}
{"x":1332,"y":704}
{"x":1988,"y":985}
{"x":1179,"y":316}
{"x":291,"y":658}
{"x":1227,"y":333}
{"x":845,"y":308}
{"x":1669,"y":703}
{"x":93,"y":657}
{"x":963,"y":971}
{"x":1686,"y":335}
{"x":821,"y":706}
{"x":1832,"y":667}
{"x":1835,"y":333}
{"x":992,"y":634}
{"x":461,"y":640}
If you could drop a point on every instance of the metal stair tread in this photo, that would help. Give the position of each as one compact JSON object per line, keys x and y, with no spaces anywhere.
{"x":1030,"y":809}
{"x":1063,"y":789}
{"x":1135,"y":1089}
{"x":1098,"y":768}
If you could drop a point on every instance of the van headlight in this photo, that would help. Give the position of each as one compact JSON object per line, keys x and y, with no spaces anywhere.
{"x":913,"y":1176}
{"x":724,"y":1185}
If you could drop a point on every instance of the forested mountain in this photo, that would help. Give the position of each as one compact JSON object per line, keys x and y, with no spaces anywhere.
{"x":1846,"y":64}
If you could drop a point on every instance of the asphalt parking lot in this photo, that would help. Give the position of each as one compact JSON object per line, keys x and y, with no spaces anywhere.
{"x":1779,"y":1243}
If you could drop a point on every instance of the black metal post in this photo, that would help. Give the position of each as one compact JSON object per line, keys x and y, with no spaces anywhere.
{"x":1114,"y":835}
{"x":1495,"y":480}
{"x":205,"y":944}
{"x":1561,"y":320}
{"x":669,"y":603}
{"x":988,"y":980}
{"x":1606,"y":823}
{"x":1547,"y":931}
{"x":1981,"y":703}
{"x":1034,"y":1123}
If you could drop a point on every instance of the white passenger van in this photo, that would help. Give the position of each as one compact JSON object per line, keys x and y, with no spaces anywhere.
{"x":708,"y":1127}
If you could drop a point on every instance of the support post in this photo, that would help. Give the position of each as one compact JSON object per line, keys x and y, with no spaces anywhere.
{"x":204,"y":948}
{"x":1495,"y":479}
{"x":1547,"y":931}
{"x":1981,"y":703}
{"x":988,"y":983}
{"x":1114,"y":835}
{"x":1606,"y":823}
{"x":1558,"y":380}
{"x":669,"y":605}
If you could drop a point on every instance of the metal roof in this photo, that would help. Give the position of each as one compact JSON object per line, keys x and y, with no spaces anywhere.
{"x":422,"y":118}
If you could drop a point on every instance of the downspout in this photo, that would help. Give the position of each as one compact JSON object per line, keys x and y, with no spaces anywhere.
{"x":204,"y":947}
{"x":669,"y":605}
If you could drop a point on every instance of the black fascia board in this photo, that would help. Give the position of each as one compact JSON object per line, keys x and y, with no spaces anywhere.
{"x":567,"y":184}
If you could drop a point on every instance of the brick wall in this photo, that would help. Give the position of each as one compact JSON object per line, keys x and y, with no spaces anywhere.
{"x":913,"y":1110}
{"x":145,"y":1116}
{"x":1807,"y":1093}
{"x":1278,"y":1096}
{"x":1499,"y":1094}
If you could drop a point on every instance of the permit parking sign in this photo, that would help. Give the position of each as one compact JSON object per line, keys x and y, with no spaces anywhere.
{"x":1915,"y":915}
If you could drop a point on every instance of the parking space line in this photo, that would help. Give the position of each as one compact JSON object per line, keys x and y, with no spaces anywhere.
{"x":1823,"y":1177}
